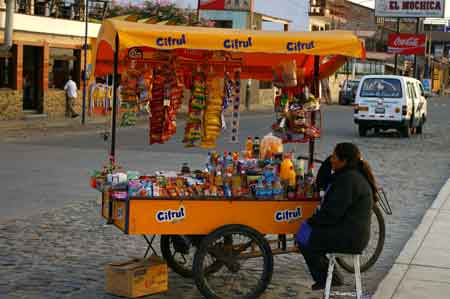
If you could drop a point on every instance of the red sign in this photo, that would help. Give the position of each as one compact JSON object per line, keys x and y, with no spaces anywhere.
{"x":225,"y":4}
{"x":406,"y":44}
{"x":212,"y":4}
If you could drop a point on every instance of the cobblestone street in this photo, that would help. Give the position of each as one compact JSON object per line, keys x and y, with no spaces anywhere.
{"x":61,"y":252}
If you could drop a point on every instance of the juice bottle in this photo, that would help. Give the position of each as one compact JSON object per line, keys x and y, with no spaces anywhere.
{"x":249,"y":147}
{"x":285,"y":168}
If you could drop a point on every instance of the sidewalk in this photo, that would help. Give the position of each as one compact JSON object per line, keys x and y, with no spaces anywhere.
{"x":422,"y":270}
{"x":23,"y":124}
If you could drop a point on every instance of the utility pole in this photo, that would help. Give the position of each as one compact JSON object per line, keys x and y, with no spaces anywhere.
{"x":249,"y":81}
{"x":83,"y":111}
{"x":416,"y":75}
{"x":198,"y":10}
{"x":396,"y":55}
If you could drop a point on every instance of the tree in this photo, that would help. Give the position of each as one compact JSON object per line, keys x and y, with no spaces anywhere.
{"x":154,"y":12}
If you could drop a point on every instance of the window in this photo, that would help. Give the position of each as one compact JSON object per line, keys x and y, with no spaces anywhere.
{"x":62,"y":64}
{"x":223,"y":23}
{"x":381,"y":88}
{"x":7,"y":71}
{"x":265,"y":85}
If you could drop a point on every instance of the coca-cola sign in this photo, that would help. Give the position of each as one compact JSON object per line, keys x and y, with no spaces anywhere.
{"x":406,"y":44}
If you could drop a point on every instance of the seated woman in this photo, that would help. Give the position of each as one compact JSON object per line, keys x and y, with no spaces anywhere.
{"x":342,"y":223}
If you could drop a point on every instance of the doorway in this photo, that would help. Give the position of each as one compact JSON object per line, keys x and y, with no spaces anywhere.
{"x":33,"y":94}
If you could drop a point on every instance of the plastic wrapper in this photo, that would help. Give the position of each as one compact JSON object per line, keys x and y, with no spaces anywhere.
{"x":270,"y":145}
{"x":212,"y":120}
{"x":285,"y":74}
{"x":197,"y":103}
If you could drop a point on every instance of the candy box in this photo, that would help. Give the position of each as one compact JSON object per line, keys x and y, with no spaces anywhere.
{"x":136,"y":277}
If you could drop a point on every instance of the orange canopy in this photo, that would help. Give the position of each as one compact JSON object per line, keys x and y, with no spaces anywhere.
{"x":256,"y":53}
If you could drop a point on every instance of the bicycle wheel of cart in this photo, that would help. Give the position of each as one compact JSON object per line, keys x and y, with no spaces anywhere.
{"x":246,"y":259}
{"x":178,"y":255}
{"x":373,"y":250}
{"x":179,"y":250}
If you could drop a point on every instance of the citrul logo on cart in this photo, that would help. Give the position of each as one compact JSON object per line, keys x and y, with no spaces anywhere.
{"x":170,"y":215}
{"x":288,"y":215}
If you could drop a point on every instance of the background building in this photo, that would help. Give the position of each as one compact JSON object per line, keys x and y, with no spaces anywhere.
{"x":47,"y":47}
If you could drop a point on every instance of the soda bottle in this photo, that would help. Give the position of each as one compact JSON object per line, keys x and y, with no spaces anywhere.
{"x":300,"y":167}
{"x":309,"y":184}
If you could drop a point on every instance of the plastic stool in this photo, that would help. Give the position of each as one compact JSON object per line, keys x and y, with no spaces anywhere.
{"x":332,"y":262}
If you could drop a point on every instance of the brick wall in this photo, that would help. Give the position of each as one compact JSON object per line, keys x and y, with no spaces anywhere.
{"x":10,"y":104}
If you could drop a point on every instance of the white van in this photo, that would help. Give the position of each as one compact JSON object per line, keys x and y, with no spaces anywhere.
{"x":390,"y":102}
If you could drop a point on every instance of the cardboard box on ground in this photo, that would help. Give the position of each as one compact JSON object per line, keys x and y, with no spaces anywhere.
{"x":136,"y":277}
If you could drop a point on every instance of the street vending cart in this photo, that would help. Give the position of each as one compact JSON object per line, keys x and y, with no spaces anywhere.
{"x":234,"y":231}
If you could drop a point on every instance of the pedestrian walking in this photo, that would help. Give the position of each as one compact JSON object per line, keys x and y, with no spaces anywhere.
{"x":71,"y":94}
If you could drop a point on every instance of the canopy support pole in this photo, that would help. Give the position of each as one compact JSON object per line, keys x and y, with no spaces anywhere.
{"x":114,"y":103}
{"x":316,"y":92}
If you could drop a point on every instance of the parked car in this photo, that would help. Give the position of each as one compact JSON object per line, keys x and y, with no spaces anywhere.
{"x":347,"y":92}
{"x":390,"y":102}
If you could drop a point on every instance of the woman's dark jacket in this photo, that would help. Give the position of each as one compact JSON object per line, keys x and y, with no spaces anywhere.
{"x":342,"y":224}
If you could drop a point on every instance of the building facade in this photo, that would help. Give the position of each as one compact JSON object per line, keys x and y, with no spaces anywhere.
{"x":47,"y":49}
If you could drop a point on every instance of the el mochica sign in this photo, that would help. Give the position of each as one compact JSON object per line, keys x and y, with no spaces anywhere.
{"x":410,"y":8}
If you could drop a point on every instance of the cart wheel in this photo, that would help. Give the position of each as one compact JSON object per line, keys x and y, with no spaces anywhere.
{"x":178,"y":253}
{"x":246,"y":263}
{"x":373,"y":250}
{"x":179,"y":250}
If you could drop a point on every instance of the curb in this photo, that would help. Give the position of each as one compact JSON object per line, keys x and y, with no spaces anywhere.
{"x":389,"y":285}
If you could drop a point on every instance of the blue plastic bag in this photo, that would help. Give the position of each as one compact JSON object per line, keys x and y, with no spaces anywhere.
{"x":303,"y":234}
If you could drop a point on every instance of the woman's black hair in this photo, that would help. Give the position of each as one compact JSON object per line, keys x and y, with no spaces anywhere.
{"x":350,"y":153}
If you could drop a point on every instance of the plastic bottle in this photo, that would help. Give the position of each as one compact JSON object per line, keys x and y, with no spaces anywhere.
{"x":218,"y":180}
{"x":244,"y":183}
{"x":249,"y":147}
{"x":227,"y":185}
{"x":309,"y":184}
{"x":292,"y":183}
{"x":277,"y":189}
{"x":209,"y":162}
{"x":236,"y":185}
{"x":300,"y":167}
{"x":260,"y":188}
{"x":300,"y":187}
{"x":285,"y":167}
{"x":256,"y":148}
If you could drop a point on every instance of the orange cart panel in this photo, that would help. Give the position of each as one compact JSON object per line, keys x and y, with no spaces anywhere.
{"x":178,"y":217}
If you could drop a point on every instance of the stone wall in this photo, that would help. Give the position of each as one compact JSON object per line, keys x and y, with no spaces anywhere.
{"x":11,"y":106}
{"x":55,"y":103}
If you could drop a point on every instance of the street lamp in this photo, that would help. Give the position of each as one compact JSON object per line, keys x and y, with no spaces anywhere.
{"x":83,"y":112}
